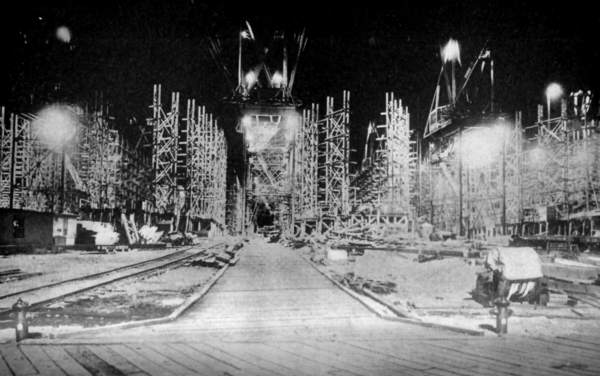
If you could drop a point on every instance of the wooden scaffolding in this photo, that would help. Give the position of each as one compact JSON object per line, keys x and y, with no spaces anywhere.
{"x":465,"y":185}
{"x":100,"y":170}
{"x":206,"y":166}
{"x":306,"y":209}
{"x":34,"y":171}
{"x":271,"y":135}
{"x":334,"y":159}
{"x":165,"y":127}
{"x":381,"y":191}
{"x":561,"y":174}
{"x":6,"y":151}
{"x":542,"y":173}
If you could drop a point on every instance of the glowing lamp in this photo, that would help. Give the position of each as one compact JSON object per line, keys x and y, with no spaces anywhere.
{"x":277,"y":79}
{"x":481,"y":147}
{"x":246,"y":121}
{"x":250,"y":78}
{"x":63,"y":34}
{"x":553,"y":91}
{"x":451,"y":51}
{"x":538,"y":157}
{"x":56,"y":126}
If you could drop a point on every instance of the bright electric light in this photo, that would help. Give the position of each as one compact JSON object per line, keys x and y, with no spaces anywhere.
{"x":290,"y":129}
{"x":56,"y":126}
{"x":481,"y":147}
{"x":250,"y":78}
{"x":451,"y":52}
{"x":246,"y":121}
{"x":553,"y":91}
{"x":537,"y":156}
{"x":63,"y":34}
{"x":277,"y":78}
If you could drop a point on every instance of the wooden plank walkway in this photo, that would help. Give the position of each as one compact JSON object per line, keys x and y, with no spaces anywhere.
{"x":273,"y":314}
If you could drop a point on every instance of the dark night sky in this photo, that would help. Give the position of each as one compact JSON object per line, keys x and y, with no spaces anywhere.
{"x":369,"y":49}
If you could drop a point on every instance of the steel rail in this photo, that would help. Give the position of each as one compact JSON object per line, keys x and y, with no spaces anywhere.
{"x":83,"y":290}
{"x":107,"y":272}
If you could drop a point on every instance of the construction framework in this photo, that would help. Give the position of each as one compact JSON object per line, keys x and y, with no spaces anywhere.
{"x":30,"y":173}
{"x":270,"y":135}
{"x":184,"y":173}
{"x":189,"y":159}
{"x":6,"y":151}
{"x":235,"y":208}
{"x":206,"y":166}
{"x":100,"y":170}
{"x":100,"y":161}
{"x":381,"y":191}
{"x":464,"y":179}
{"x":561,"y":176}
{"x":165,"y":143}
{"x":334,"y":161}
{"x":306,"y":208}
{"x":542,"y":179}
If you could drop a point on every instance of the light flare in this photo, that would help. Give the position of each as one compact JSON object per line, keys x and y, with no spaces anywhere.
{"x":246,"y":121}
{"x":537,"y":156}
{"x":482,"y":147}
{"x":63,"y":34}
{"x":553,"y":91}
{"x":277,"y":79}
{"x":451,"y":51}
{"x":250,"y":78}
{"x":291,"y":128}
{"x":56,"y":126}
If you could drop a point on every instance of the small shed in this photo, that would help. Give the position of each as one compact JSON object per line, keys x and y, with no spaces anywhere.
{"x":425,"y":230}
{"x":36,"y":229}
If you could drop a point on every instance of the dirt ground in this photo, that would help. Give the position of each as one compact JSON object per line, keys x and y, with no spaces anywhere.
{"x":438,"y":291}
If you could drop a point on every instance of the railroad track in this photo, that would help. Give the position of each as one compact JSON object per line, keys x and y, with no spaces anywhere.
{"x":148,"y":267}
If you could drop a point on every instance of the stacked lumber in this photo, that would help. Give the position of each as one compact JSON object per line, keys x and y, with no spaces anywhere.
{"x":217,"y":259}
{"x":9,"y":275}
{"x":149,"y":235}
{"x":579,"y":281}
{"x":357,"y":283}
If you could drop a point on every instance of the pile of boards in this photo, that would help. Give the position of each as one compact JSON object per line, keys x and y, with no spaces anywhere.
{"x":9,"y":275}
{"x":218,"y":258}
{"x":579,"y":280}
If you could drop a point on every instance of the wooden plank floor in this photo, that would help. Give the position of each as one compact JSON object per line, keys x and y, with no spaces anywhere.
{"x":273,"y":314}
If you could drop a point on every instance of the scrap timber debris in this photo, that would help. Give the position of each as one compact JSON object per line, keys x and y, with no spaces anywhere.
{"x":358,"y":283}
{"x":9,"y":275}
{"x":150,"y":235}
{"x":423,"y":258}
{"x":177,"y":239}
{"x":218,"y":259}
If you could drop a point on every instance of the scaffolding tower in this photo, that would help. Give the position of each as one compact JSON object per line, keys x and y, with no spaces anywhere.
{"x":164,"y":152}
{"x":306,"y":165}
{"x":542,"y":174}
{"x":382,"y":189}
{"x":100,"y":160}
{"x":395,"y":157}
{"x":206,"y":166}
{"x":6,"y":161}
{"x":334,"y":155}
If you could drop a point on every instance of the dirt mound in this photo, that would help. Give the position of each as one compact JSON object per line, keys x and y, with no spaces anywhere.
{"x":427,"y":283}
